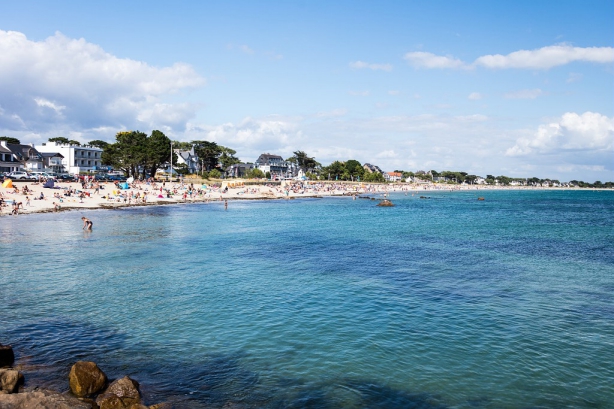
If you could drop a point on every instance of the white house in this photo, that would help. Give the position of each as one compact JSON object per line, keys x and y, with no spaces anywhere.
{"x":189,"y":158}
{"x":76,"y":158}
{"x":27,"y":156}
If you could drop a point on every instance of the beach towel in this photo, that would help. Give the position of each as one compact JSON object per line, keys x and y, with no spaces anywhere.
{"x":124,"y":186}
{"x":49,"y":184}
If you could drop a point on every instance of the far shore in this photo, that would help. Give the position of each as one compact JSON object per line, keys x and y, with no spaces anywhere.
{"x":78,"y":196}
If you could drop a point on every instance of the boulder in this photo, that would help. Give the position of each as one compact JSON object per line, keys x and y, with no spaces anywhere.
{"x":10,"y":380}
{"x":7,"y":357}
{"x":385,"y":203}
{"x":41,"y":398}
{"x":86,"y":379}
{"x":122,"y":393}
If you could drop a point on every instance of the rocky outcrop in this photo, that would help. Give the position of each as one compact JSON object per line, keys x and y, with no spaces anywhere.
{"x":385,"y":203}
{"x":41,"y":398}
{"x":10,"y":380}
{"x":86,"y":379}
{"x":122,"y":393}
{"x":7,"y":357}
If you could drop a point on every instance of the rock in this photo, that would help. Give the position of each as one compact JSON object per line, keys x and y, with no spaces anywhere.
{"x":163,"y":405}
{"x":86,"y":379}
{"x":7,"y":357}
{"x":385,"y":203}
{"x":41,"y":398}
{"x":122,"y":393}
{"x":10,"y":380}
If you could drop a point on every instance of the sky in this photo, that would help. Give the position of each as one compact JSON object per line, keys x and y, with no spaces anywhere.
{"x":516,"y":88}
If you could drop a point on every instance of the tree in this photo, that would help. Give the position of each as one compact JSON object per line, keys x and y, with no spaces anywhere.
{"x":215,"y":174}
{"x":10,"y":140}
{"x":227,"y":157}
{"x":354,"y":169}
{"x":303,"y":161}
{"x":74,"y":143}
{"x":334,"y":171}
{"x":60,"y":139}
{"x":374,"y":177}
{"x":157,"y":151}
{"x":255,"y":174}
{"x":97,"y":143}
{"x":208,"y":152}
{"x":128,"y":152}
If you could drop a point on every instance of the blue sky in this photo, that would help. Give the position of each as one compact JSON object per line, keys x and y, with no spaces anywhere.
{"x":518,"y":88}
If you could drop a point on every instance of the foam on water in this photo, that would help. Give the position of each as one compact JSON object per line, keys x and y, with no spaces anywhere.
{"x":443,"y":302}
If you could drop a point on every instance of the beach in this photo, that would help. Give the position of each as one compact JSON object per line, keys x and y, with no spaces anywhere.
{"x":33,"y":197}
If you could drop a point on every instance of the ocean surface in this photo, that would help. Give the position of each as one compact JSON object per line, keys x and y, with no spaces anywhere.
{"x":445,"y":302}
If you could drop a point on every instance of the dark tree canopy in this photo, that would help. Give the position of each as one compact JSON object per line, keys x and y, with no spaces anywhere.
{"x":11,"y":140}
{"x":97,"y":143}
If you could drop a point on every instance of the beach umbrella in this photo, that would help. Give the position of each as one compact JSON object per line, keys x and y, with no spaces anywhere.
{"x":7,"y":184}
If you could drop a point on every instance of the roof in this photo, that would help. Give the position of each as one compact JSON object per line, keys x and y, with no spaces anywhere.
{"x":51,"y":154}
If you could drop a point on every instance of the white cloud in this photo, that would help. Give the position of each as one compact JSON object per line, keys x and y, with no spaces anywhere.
{"x":540,"y":59}
{"x":359,"y":93}
{"x":421,"y":59}
{"x":572,"y":132}
{"x":357,"y":65}
{"x":60,"y":85}
{"x":574,"y":77}
{"x":524,"y":94}
{"x":474,"y":96}
{"x":547,"y":57}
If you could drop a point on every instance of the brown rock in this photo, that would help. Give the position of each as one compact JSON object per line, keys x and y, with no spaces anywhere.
{"x":86,"y":379}
{"x":7,"y":357}
{"x":385,"y":203}
{"x":163,"y":405}
{"x":122,"y":393}
{"x":10,"y":380}
{"x":41,"y":398}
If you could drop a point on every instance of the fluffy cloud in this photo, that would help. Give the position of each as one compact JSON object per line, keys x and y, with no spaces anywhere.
{"x":547,"y":57}
{"x":60,"y":85}
{"x":572,"y":132}
{"x":422,"y":59}
{"x":357,"y":65}
{"x":541,"y":59}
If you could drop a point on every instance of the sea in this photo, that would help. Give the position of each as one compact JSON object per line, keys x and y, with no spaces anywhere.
{"x":442,"y":301}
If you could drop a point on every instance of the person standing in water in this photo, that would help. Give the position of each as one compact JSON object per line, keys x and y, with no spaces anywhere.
{"x":87,"y":223}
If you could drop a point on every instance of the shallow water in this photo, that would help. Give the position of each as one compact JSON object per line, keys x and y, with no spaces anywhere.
{"x":446,"y":302}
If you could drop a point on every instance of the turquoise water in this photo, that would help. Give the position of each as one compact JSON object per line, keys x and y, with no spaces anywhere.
{"x":446,"y":302}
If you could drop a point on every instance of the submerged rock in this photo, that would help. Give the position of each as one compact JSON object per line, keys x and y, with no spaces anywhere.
{"x":385,"y":203}
{"x":41,"y":398}
{"x":86,"y":379}
{"x":7,"y":357}
{"x":10,"y":380}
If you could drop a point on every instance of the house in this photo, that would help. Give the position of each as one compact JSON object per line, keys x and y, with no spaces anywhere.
{"x":275,"y":165}
{"x":76,"y":159}
{"x":189,"y":158}
{"x":28,"y":157}
{"x":372,"y":168}
{"x":393,"y":176}
{"x":238,"y":170}
{"x":53,"y":161}
{"x":8,"y":162}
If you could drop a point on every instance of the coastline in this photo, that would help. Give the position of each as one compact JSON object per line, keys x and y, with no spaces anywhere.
{"x":109,"y":196}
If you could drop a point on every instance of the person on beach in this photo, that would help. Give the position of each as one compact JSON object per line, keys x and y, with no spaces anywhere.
{"x":226,"y":205}
{"x":87,"y":224}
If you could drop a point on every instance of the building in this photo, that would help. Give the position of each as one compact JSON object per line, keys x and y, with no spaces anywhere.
{"x":275,"y":165}
{"x":76,"y":159}
{"x":53,"y":161}
{"x":26,"y":155}
{"x":238,"y":170}
{"x":8,"y":162}
{"x":393,"y":176}
{"x":189,"y":158}
{"x":372,"y":168}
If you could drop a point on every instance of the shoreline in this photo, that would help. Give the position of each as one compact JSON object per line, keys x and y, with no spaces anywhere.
{"x":75,"y":196}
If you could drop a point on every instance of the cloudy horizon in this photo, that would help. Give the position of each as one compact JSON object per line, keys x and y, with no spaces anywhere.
{"x":338,"y":84}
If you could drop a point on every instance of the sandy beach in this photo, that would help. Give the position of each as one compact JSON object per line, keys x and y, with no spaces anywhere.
{"x":33,"y":197}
